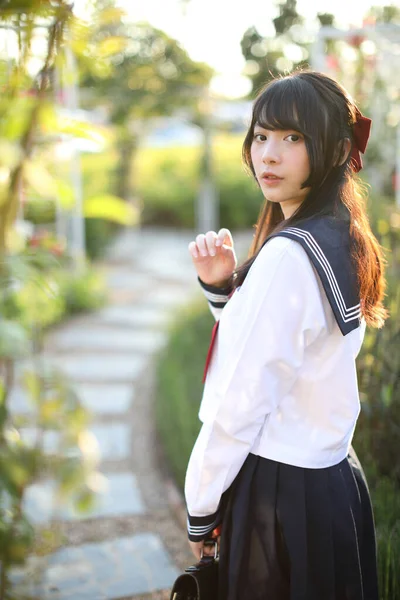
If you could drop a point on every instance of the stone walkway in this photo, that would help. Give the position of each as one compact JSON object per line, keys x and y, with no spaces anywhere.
{"x":133,"y":545}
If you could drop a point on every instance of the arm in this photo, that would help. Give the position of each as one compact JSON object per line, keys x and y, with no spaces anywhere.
{"x":280,"y":313}
{"x":217,"y":297}
{"x":214,"y":259}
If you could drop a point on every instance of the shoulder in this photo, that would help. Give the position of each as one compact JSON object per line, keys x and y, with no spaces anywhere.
{"x":285,"y":254}
{"x":327,"y":242}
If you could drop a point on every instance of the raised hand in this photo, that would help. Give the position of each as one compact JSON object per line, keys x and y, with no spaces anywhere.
{"x":214,"y":257}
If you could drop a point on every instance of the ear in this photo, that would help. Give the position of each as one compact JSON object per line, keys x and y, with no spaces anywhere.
{"x":345,"y":151}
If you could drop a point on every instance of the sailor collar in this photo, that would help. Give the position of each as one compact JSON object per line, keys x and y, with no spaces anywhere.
{"x":327,"y":242}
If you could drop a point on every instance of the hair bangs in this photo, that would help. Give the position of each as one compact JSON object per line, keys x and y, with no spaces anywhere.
{"x":278,"y":108}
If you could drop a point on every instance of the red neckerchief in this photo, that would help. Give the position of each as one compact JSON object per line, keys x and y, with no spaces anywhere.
{"x":211,"y":346}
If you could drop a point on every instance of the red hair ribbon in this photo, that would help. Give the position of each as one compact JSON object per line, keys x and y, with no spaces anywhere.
{"x":361,"y":131}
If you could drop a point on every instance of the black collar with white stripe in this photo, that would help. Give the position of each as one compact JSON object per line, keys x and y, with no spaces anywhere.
{"x":327,"y":241}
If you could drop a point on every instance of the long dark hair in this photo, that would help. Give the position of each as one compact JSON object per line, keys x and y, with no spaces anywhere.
{"x":323,"y":112}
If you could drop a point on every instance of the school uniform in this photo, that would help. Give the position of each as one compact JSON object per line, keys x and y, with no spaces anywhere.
{"x":273,"y":461}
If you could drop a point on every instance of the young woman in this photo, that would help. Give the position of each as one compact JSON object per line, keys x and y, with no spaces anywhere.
{"x":273,"y":462}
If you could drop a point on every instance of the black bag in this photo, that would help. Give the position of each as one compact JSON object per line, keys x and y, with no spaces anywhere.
{"x":198,"y":582}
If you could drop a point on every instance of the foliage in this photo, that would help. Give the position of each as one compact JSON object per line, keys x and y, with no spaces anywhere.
{"x":34,"y":303}
{"x":169,"y":179}
{"x":82,"y":291}
{"x":267,"y":58}
{"x":377,"y":434}
{"x":33,"y":291}
{"x":99,"y":234}
{"x":42,"y":298}
{"x":378,"y":430}
{"x":151,"y":75}
{"x":179,"y":391}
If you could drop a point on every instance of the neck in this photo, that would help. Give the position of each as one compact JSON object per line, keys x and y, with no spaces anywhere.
{"x":289,"y":207}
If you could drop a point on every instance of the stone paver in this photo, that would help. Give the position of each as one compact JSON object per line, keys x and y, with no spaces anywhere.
{"x":128,"y":279}
{"x":112,"y":439}
{"x":112,"y":569}
{"x":140,"y":317}
{"x":100,"y":367}
{"x":99,"y":398}
{"x":121,"y":497}
{"x":103,"y":338}
{"x":106,"y":398}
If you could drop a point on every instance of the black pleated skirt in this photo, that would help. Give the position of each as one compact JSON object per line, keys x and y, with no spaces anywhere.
{"x":290,"y":533}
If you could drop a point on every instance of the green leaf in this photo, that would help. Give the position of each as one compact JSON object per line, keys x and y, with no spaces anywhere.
{"x":65,"y":193}
{"x":33,"y":385}
{"x":85,"y":501}
{"x":10,"y":153}
{"x":109,"y":16}
{"x":39,"y":178}
{"x":80,"y":129}
{"x":111,"y":45}
{"x":14,"y":342}
{"x":111,"y":208}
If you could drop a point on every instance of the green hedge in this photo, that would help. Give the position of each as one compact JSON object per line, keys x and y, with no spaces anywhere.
{"x":168,"y":182}
{"x":179,"y":390}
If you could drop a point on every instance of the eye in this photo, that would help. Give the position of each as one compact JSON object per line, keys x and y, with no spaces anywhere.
{"x":258,"y":135}
{"x":294,"y":135}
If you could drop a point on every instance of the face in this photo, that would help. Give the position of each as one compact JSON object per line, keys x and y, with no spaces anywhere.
{"x":282,"y":154}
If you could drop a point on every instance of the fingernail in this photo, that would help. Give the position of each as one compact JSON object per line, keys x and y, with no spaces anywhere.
{"x":212,"y":252}
{"x":218,"y":243}
{"x":195,"y":255}
{"x":204,"y":253}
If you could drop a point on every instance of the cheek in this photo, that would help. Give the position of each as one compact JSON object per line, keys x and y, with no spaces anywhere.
{"x":305,"y":162}
{"x":253,"y":154}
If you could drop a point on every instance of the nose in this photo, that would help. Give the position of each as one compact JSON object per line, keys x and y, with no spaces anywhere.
{"x":271,"y":153}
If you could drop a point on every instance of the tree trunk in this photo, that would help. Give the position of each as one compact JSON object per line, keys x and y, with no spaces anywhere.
{"x":127,"y":146}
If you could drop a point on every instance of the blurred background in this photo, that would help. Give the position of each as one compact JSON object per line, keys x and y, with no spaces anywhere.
{"x":121,"y":127}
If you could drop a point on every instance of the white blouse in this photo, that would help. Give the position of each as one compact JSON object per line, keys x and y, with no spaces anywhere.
{"x":281,"y":384}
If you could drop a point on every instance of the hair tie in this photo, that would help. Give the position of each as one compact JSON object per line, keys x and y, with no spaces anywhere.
{"x":361,"y":131}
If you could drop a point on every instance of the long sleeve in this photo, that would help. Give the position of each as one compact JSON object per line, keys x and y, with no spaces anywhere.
{"x":217,"y":297}
{"x":270,"y":321}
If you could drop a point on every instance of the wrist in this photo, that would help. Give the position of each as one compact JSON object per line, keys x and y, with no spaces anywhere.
{"x":221,"y":286}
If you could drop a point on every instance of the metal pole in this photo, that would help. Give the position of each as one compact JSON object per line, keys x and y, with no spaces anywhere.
{"x":77,"y":239}
{"x":317,"y":58}
{"x":207,"y":201}
{"x":397,"y":169}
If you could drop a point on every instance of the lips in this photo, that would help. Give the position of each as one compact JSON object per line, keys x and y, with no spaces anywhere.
{"x":270,"y":176}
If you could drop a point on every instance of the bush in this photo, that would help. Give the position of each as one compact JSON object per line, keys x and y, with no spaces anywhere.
{"x":99,"y":235}
{"x":179,"y":393}
{"x":49,"y":297}
{"x":97,"y":180}
{"x":82,"y":291}
{"x":40,"y":211}
{"x":169,"y":182}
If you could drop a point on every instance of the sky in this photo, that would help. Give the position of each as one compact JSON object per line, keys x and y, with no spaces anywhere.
{"x":211,"y":30}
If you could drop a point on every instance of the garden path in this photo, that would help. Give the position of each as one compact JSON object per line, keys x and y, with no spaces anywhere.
{"x":134,"y":544}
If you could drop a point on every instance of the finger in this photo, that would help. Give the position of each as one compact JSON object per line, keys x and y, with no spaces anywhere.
{"x":208,"y":550}
{"x":201,"y":244}
{"x":211,"y":237}
{"x":224,"y":237}
{"x":193,"y":249}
